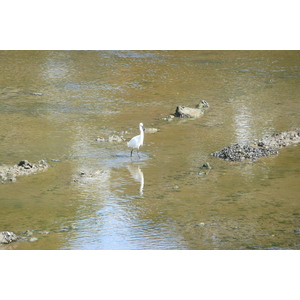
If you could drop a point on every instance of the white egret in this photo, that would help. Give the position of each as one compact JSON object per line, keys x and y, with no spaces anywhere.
{"x":137,"y":141}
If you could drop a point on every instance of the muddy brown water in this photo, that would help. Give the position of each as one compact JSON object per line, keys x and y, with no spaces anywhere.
{"x":54,"y":104}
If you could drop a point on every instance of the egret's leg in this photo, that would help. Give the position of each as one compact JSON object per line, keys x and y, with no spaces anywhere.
{"x":138,"y":153}
{"x":131,"y":153}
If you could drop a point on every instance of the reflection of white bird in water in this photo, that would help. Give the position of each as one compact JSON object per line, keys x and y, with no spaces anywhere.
{"x":137,"y":141}
{"x":138,"y":175}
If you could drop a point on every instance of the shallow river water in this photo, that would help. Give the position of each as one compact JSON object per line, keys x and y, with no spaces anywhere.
{"x":55,"y":104}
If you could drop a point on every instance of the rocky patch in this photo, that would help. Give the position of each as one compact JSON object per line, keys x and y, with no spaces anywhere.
{"x":24,"y":167}
{"x":264,"y":147}
{"x":239,"y":152}
{"x":112,"y":138}
{"x":280,"y":140}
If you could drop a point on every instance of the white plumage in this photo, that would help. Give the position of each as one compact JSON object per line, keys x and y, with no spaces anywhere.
{"x":137,"y":141}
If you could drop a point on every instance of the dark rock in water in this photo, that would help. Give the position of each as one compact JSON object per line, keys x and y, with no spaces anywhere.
{"x":7,"y":237}
{"x":25,"y":164}
{"x":239,"y":152}
{"x":206,"y":166}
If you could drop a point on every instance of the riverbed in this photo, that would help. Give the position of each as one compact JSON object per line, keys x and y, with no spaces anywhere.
{"x":62,"y":106}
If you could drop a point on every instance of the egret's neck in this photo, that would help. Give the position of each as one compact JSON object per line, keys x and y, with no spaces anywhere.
{"x":142,"y":135}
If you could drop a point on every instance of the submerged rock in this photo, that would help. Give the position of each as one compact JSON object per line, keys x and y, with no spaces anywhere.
{"x":101,"y":139}
{"x":33,"y":239}
{"x":115,"y":138}
{"x":202,"y":104}
{"x":168,"y":118}
{"x":112,"y":138}
{"x":151,"y":130}
{"x":90,"y":176}
{"x":9,"y":173}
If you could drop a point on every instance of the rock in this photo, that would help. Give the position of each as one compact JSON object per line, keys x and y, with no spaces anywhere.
{"x":206,"y":166}
{"x":189,"y":112}
{"x":239,"y":152}
{"x":202,"y":104}
{"x":13,"y":178}
{"x":100,"y":139}
{"x":7,"y":237}
{"x":25,"y":164}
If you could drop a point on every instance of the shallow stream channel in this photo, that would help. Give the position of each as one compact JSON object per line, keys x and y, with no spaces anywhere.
{"x":76,"y":111}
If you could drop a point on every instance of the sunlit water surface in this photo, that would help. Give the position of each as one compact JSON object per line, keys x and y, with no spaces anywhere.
{"x":54,"y":105}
